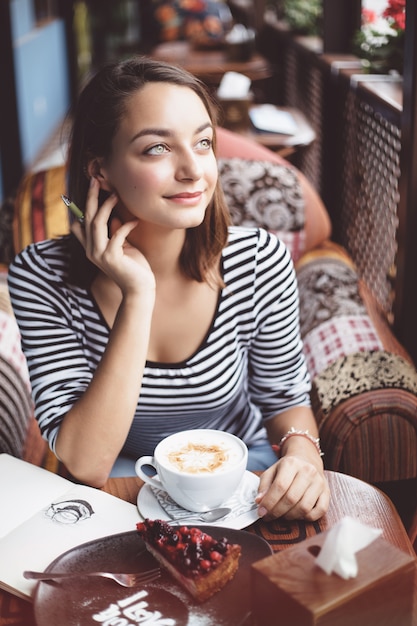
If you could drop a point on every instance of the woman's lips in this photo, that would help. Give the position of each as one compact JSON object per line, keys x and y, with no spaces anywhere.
{"x":186,"y":197}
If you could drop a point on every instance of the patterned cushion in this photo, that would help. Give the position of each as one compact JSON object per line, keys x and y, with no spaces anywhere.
{"x":10,"y":349}
{"x":15,"y":410}
{"x":364,"y":395}
{"x":5,"y":304}
{"x":329,"y":288}
{"x":358,"y":373}
{"x":333,"y":317}
{"x":16,"y":407}
{"x":266,"y":194}
{"x":338,"y":337}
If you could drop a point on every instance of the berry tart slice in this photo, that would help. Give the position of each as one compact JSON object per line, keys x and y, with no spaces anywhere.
{"x":200,"y":563}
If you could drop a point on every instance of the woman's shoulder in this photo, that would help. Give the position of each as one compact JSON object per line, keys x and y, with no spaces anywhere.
{"x":50,"y":257}
{"x":257,"y":239}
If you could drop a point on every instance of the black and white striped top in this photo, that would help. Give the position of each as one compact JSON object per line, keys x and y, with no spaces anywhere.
{"x":249,"y":367}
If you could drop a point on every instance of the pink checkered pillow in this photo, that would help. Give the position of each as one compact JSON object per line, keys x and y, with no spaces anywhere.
{"x":333,"y":318}
{"x":339,"y":337}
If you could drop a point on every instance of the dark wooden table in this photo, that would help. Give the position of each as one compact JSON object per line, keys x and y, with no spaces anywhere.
{"x":349,"y":496}
{"x":211,"y":65}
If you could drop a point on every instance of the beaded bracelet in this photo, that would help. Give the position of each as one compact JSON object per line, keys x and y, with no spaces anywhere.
{"x":299,"y":433}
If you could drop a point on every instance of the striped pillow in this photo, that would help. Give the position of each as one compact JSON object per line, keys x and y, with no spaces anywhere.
{"x":39,"y":211}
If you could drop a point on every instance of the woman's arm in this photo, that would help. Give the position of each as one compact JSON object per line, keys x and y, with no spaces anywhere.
{"x":295,"y":486}
{"x":95,"y":428}
{"x":94,"y":385}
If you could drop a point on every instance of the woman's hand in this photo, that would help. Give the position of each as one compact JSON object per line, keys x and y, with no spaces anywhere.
{"x":114,"y":256}
{"x":294,"y":488}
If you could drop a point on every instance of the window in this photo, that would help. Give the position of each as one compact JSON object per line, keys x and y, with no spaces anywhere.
{"x":45,"y":9}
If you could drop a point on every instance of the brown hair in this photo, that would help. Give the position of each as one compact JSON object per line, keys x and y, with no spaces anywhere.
{"x":96,"y":119}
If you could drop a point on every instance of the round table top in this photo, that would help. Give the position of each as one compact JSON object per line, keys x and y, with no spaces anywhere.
{"x":349,"y":496}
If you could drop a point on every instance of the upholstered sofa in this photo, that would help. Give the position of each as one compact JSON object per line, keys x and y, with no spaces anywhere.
{"x":364,"y":384}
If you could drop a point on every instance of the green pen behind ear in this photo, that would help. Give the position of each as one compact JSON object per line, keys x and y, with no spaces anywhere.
{"x":73,"y":207}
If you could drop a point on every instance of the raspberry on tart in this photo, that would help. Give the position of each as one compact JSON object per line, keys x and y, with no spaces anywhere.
{"x":201,"y":564}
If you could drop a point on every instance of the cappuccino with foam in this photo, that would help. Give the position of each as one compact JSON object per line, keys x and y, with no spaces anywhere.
{"x":199,"y":456}
{"x":200,"y":469}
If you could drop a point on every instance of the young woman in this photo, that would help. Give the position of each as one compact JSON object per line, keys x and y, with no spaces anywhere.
{"x":155,"y":315}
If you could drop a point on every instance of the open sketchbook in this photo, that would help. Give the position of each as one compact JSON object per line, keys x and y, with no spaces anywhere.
{"x":43,"y":515}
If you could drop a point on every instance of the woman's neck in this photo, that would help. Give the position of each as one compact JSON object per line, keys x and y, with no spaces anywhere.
{"x":161,"y":249}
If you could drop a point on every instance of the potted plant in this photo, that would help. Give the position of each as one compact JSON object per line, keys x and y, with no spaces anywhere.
{"x":380,"y":41}
{"x":302,"y":16}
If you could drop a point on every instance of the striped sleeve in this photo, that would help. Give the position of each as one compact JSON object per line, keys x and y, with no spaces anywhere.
{"x":51,"y":341}
{"x":278,"y":376}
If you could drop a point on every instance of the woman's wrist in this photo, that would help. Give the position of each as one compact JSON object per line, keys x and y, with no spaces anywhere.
{"x":296,"y":435}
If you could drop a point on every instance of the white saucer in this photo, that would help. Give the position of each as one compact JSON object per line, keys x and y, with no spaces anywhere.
{"x":242,"y":503}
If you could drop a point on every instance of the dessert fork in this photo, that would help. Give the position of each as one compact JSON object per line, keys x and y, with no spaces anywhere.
{"x":125,"y":580}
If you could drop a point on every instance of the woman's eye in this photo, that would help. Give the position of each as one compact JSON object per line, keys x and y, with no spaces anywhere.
{"x":205,"y":144}
{"x":160,"y":148}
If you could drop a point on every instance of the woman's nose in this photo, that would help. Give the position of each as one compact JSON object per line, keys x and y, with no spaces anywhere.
{"x":189,"y":166}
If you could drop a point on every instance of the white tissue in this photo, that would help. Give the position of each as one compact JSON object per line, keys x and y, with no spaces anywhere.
{"x":240,"y":34}
{"x":343,"y":540}
{"x":234,"y":85}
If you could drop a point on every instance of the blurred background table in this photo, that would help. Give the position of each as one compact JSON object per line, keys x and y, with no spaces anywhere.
{"x":283,"y":143}
{"x":211,"y":65}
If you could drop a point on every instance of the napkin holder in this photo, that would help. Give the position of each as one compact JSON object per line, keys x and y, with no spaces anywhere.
{"x":289,"y":588}
{"x":235,"y":97}
{"x":235,"y":111}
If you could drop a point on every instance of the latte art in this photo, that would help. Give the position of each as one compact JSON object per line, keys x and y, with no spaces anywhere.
{"x":199,"y":458}
{"x":199,"y":468}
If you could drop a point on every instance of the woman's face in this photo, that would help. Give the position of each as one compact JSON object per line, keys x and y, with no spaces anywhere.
{"x":162,"y":165}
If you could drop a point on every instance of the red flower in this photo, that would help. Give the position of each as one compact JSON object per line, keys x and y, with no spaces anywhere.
{"x":396,"y":11}
{"x":368,"y":16}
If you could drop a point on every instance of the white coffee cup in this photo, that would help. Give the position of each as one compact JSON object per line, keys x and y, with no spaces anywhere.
{"x":200,"y":469}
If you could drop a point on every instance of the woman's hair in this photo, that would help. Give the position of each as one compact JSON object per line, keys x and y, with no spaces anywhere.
{"x":96,"y":119}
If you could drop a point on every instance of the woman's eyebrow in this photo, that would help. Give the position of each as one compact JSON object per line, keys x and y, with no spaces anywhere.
{"x":162,"y":132}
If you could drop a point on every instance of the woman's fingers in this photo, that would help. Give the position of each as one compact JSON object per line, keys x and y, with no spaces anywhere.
{"x":96,"y":220}
{"x":293,"y":489}
{"x":93,"y":233}
{"x":105,"y":240}
{"x":97,"y":225}
{"x":320,"y":507}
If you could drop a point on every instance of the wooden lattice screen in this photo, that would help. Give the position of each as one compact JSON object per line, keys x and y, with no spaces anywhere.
{"x":369,"y":195}
{"x":368,"y":156}
{"x":303,"y":89}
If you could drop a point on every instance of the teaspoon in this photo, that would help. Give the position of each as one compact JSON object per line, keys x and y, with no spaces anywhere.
{"x":207,"y":516}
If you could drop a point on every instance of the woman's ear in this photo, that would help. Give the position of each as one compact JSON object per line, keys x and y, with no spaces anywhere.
{"x":96,"y":170}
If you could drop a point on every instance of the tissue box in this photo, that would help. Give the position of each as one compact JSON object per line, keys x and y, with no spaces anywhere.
{"x":235,"y":112}
{"x":289,"y":589}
